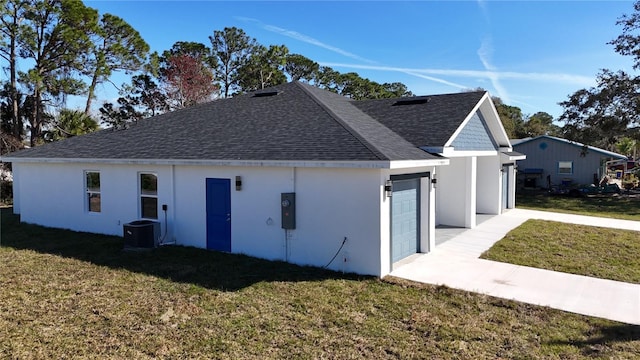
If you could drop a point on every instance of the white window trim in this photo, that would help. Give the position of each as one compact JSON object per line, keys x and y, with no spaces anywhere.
{"x":88,"y":192}
{"x":565,"y":173}
{"x":141,"y":195}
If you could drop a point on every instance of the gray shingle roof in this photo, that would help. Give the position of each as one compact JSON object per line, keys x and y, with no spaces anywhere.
{"x":301,"y":123}
{"x":378,"y":138}
{"x":424,"y":121}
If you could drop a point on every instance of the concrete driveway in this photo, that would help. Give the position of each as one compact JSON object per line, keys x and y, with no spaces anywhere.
{"x":455,"y":263}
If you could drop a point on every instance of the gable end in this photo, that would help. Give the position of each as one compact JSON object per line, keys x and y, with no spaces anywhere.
{"x":475,"y":136}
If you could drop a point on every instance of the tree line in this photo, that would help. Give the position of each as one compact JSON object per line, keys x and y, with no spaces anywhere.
{"x":606,"y":115}
{"x":70,"y":49}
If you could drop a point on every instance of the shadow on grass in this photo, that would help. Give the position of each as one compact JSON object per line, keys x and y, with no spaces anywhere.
{"x":209,"y":269}
{"x":603,"y":337}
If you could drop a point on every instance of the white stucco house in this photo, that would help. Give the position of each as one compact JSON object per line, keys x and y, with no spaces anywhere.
{"x":379,"y":173}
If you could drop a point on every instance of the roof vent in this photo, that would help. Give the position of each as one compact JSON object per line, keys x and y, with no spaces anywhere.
{"x":265,"y":94}
{"x":414,"y":101}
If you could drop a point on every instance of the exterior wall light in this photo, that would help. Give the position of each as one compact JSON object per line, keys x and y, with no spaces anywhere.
{"x":388,"y":188}
{"x":238,"y":183}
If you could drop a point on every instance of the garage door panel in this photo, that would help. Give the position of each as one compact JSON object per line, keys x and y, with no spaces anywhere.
{"x":404,"y":215}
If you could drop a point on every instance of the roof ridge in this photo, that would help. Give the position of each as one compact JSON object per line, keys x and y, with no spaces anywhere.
{"x":454,"y":94}
{"x":423,"y":125}
{"x":374,"y":150}
{"x":381,"y":140}
{"x":575,"y":143}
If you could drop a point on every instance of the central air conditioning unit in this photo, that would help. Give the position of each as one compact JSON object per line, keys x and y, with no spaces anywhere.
{"x":141,"y":234}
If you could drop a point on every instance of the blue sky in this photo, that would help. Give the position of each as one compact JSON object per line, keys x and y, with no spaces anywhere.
{"x":532,"y":54}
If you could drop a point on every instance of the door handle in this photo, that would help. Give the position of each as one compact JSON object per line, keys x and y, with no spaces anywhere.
{"x":228,"y":217}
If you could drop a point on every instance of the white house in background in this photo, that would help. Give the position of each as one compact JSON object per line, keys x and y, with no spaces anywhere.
{"x":555,"y":160}
{"x":380,"y":174}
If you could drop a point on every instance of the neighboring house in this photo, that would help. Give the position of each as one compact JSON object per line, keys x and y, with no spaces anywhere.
{"x":560,"y":161}
{"x":380,"y":174}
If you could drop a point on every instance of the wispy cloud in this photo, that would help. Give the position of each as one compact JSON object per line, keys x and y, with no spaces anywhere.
{"x":482,"y":4}
{"x":310,"y":40}
{"x":435,"y":79}
{"x":304,"y":38}
{"x":479,"y":74}
{"x":485,"y":53}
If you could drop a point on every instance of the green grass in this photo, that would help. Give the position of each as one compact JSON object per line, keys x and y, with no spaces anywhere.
{"x":65,"y":294}
{"x":576,"y":249}
{"x":620,"y":207}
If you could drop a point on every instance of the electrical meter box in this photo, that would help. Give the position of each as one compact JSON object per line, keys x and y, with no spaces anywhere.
{"x":288,"y":206}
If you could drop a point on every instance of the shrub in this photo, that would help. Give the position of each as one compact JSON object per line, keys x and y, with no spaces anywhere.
{"x":630,"y":181}
{"x":6,"y":192}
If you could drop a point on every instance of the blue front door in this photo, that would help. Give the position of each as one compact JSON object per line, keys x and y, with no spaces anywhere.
{"x":219,"y":214}
{"x":405,"y":215}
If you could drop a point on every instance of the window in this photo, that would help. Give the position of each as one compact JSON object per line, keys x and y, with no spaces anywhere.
{"x":92,"y":186}
{"x":565,"y":167}
{"x":148,"y":196}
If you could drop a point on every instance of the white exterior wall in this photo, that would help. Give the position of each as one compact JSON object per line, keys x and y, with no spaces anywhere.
{"x":16,"y":187}
{"x":54,"y":195}
{"x":251,"y":208}
{"x":455,"y":197}
{"x":331,"y":204}
{"x":467,"y":186}
{"x":471,"y":191}
{"x":427,"y":216}
{"x":489,"y":185}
